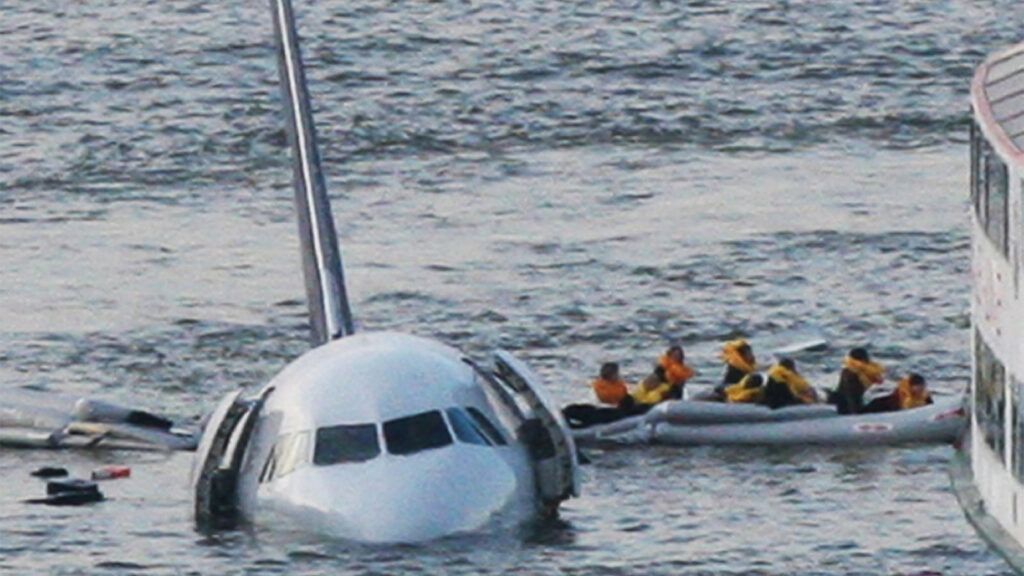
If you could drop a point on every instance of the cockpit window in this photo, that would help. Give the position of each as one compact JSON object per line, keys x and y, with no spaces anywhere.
{"x":290,"y":452}
{"x":416,"y":433}
{"x":487,"y":427}
{"x":346,"y":443}
{"x":465,"y":430}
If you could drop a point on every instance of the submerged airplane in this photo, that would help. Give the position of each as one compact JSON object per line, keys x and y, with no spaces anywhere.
{"x":375,"y":437}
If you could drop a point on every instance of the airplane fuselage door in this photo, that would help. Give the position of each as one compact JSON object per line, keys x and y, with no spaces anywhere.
{"x":550,"y":441}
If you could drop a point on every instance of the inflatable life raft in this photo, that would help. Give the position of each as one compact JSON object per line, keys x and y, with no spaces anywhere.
{"x":693,"y":423}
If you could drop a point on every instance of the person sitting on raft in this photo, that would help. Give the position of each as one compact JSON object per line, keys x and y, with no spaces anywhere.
{"x":858,"y":375}
{"x":739,"y":362}
{"x":786,"y":387}
{"x":911,"y":393}
{"x":750,"y":390}
{"x":609,"y":386}
{"x":673,"y":361}
{"x":611,"y":391}
{"x":653,"y":390}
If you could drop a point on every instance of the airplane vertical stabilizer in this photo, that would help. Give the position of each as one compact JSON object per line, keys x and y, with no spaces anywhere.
{"x":330,"y":315}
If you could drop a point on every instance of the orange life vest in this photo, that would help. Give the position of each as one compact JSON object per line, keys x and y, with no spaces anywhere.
{"x":677,"y":373}
{"x":610,"y":391}
{"x":908,"y":399}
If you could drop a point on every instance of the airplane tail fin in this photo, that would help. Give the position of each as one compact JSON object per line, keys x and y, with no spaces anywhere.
{"x":329,"y":311}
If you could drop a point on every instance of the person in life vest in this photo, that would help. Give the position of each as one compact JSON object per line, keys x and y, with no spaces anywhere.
{"x":653,"y":389}
{"x":609,"y":387}
{"x":750,"y":390}
{"x":912,"y":392}
{"x":611,"y":390}
{"x":786,"y":387}
{"x":739,"y":363}
{"x":677,"y":372}
{"x":858,"y":375}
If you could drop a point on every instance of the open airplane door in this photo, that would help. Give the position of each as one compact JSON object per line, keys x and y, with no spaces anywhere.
{"x":550,"y":441}
{"x":219,"y":458}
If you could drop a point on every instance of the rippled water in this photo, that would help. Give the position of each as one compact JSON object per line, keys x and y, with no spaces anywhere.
{"x":574,"y":181}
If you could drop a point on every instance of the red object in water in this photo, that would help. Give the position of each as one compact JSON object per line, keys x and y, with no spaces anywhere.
{"x":111,"y":473}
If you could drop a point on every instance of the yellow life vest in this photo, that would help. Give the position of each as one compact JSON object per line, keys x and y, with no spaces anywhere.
{"x":869,"y":373}
{"x":739,"y":393}
{"x":908,"y":399}
{"x":643,"y":394}
{"x":731,"y":356}
{"x":795,"y":382}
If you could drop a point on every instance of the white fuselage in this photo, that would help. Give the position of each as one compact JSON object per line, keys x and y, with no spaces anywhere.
{"x":335,"y":450}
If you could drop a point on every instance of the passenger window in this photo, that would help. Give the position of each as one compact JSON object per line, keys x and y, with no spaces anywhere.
{"x":416,"y":433}
{"x":465,"y":430}
{"x":346,"y":443}
{"x":488,"y":428}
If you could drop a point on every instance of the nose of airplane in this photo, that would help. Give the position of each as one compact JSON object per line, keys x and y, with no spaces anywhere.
{"x":407,"y":499}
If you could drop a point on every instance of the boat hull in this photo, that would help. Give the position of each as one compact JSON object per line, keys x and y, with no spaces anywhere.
{"x":962,"y":481}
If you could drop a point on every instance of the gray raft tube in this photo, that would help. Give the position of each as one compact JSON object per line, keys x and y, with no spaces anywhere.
{"x":941,"y":422}
{"x":697,"y":413}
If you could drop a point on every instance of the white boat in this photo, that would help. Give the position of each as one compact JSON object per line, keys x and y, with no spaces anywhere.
{"x":690,"y":423}
{"x":988,"y":473}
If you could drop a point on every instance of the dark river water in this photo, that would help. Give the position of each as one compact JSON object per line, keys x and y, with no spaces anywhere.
{"x":574,"y":181}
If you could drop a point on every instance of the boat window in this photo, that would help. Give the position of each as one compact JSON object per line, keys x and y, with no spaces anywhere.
{"x":346,"y":443}
{"x":487,"y":427}
{"x":979,"y":150}
{"x":465,"y":429}
{"x":1017,"y":430}
{"x":989,"y":396}
{"x":997,"y":197}
{"x":416,"y":433}
{"x":974,"y":166}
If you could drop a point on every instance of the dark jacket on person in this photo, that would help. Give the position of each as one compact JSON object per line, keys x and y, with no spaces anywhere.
{"x":732,"y":376}
{"x":584,"y":415}
{"x":887,"y":403}
{"x":849,"y":395}
{"x":778,"y":395}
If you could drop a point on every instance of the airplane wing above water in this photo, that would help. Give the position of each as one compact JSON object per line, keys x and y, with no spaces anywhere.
{"x":31,"y":419}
